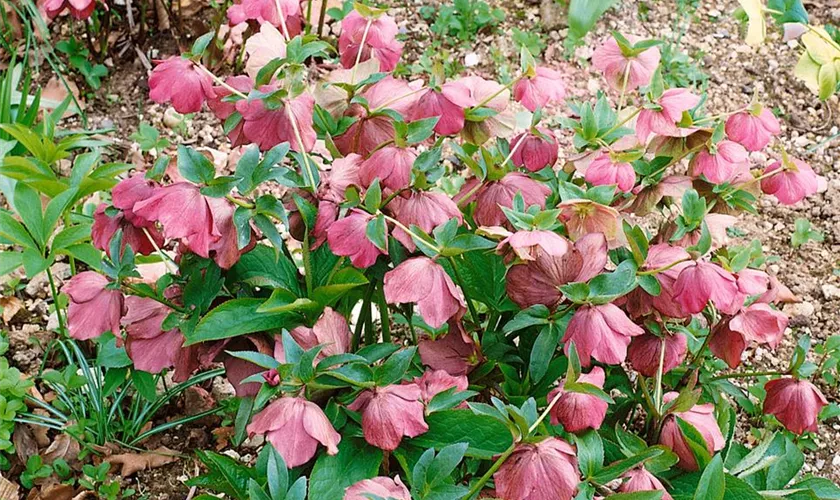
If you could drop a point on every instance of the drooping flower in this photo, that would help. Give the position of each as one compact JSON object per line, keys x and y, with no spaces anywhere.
{"x":150,"y":348}
{"x":702,"y":418}
{"x":639,"y":479}
{"x":295,"y":426}
{"x":79,"y":9}
{"x":539,"y":471}
{"x":602,"y":332}
{"x":668,"y":112}
{"x":625,"y":71}
{"x":527,"y":244}
{"x":702,"y":282}
{"x":536,"y":152}
{"x":382,"y":487}
{"x":602,"y":171}
{"x":793,"y":183}
{"x":660,"y":256}
{"x":538,"y":281}
{"x":433,"y":382}
{"x":223,"y":109}
{"x":645,"y":351}
{"x":424,"y":209}
{"x":477,"y":130}
{"x":128,"y":192}
{"x":330,"y":331}
{"x":238,"y":369}
{"x":224,"y":251}
{"x":543,"y":87}
{"x":391,"y":165}
{"x":719,"y":167}
{"x":757,"y":323}
{"x":269,"y":127}
{"x":490,"y":196}
{"x":265,"y":11}
{"x":180,"y":82}
{"x":753,"y":128}
{"x":104,"y":227}
{"x":344,"y":172}
{"x":262,"y":48}
{"x":447,"y":104}
{"x":795,"y":403}
{"x":93,"y":308}
{"x":579,"y":411}
{"x":422,"y":281}
{"x":373,"y":37}
{"x":389,"y":413}
{"x":584,"y":217}
{"x":348,"y":237}
{"x":455,"y":352}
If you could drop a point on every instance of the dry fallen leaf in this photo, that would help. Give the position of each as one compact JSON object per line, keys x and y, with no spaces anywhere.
{"x":25,"y":443}
{"x":11,"y":306}
{"x":223,"y":436}
{"x":8,"y":489}
{"x":52,"y":492}
{"x":64,"y":447}
{"x":134,"y":462}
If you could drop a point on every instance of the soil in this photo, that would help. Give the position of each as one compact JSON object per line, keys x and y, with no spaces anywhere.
{"x":711,"y":37}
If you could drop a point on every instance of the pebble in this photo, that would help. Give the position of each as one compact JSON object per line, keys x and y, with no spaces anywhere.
{"x":831,"y":292}
{"x":835,"y":461}
{"x":805,"y":309}
{"x":471,"y":59}
{"x":232,"y":454}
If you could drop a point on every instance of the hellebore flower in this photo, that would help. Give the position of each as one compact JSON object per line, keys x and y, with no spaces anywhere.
{"x":454,"y":353}
{"x":269,"y":127}
{"x":330,"y":331}
{"x":538,"y":281}
{"x":719,"y":167}
{"x":150,"y":348}
{"x":793,"y":183}
{"x":295,"y":426}
{"x":617,"y":67}
{"x":128,"y":193}
{"x":382,"y":487}
{"x":93,"y":308}
{"x":424,"y":209}
{"x":344,"y":172}
{"x":527,"y":244}
{"x":753,"y":129}
{"x":602,"y":171}
{"x":422,"y":281}
{"x":105,"y":226}
{"x":348,"y":237}
{"x":602,"y":332}
{"x":703,"y":282}
{"x":181,"y":82}
{"x":448,"y":104}
{"x":536,"y":152}
{"x":758,"y":322}
{"x":645,"y":351}
{"x":79,"y":9}
{"x":661,"y":255}
{"x":639,"y":479}
{"x":238,"y":369}
{"x":391,"y":165}
{"x":663,"y":121}
{"x":536,"y":91}
{"x":265,"y":11}
{"x":490,"y":196}
{"x":225,"y":251}
{"x":539,"y":471}
{"x":579,"y":411}
{"x":795,"y":403}
{"x":702,"y":418}
{"x":185,"y":214}
{"x":262,"y":48}
{"x":433,"y":382}
{"x":479,"y":130}
{"x":389,"y":413}
{"x":223,"y":109}
{"x":378,"y":40}
{"x":583,"y":217}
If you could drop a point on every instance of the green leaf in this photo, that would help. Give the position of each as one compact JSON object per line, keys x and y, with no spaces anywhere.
{"x":711,"y":485}
{"x":332,"y":474}
{"x":792,"y":11}
{"x":420,"y":130}
{"x":609,"y":286}
{"x":225,"y":475}
{"x":27,"y":203}
{"x":194,"y":166}
{"x":534,"y":315}
{"x":543,"y":351}
{"x":264,"y":267}
{"x":584,"y":13}
{"x":638,"y":495}
{"x":377,"y":232}
{"x":394,"y":368}
{"x":485,"y":435}
{"x":277,"y":474}
{"x":590,"y":453}
{"x":342,"y":282}
{"x":144,"y":382}
{"x":201,"y":43}
{"x":616,"y":469}
{"x":111,"y":356}
{"x":9,"y":261}
{"x":238,"y":317}
{"x":695,"y":441}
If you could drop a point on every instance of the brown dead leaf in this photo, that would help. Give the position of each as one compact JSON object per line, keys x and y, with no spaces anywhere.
{"x":11,"y":306}
{"x":64,"y":447}
{"x":55,"y":92}
{"x":25,"y":443}
{"x":8,"y":489}
{"x":52,"y":492}
{"x":223,"y":436}
{"x":134,"y":462}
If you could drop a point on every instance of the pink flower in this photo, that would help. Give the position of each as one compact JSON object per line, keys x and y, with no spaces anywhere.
{"x":455,"y":352}
{"x":537,"y":90}
{"x":149,"y":347}
{"x":664,"y":119}
{"x":796,"y":403}
{"x":348,"y":237}
{"x":640,"y":303}
{"x":224,"y":251}
{"x":79,"y":9}
{"x":295,"y":426}
{"x":422,"y":281}
{"x":181,"y":82}
{"x":262,"y":48}
{"x":793,"y":183}
{"x":719,"y":167}
{"x":645,"y":351}
{"x":499,"y":125}
{"x":603,"y":172}
{"x":383,"y":487}
{"x":536,"y":152}
{"x":128,"y":193}
{"x":377,"y":41}
{"x":424,"y":209}
{"x":433,"y":382}
{"x":495,"y":194}
{"x":702,"y":418}
{"x":223,"y":109}
{"x":584,"y":217}
{"x":238,"y":369}
{"x":391,"y":165}
{"x":389,"y":413}
{"x":639,"y":479}
{"x":266,"y":11}
{"x":539,"y":471}
{"x":93,"y":308}
{"x":538,"y":281}
{"x":185,"y":214}
{"x":448,"y":104}
{"x":330,"y":331}
{"x":753,"y":129}
{"x":616,"y":66}
{"x":602,"y":332}
{"x":579,"y":411}
{"x":104,"y":227}
{"x":703,"y":282}
{"x":528,"y":244}
{"x":758,"y":322}
{"x":270,"y":127}
{"x":344,"y":172}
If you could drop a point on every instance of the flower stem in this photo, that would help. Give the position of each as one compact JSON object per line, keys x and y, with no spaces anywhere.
{"x":54,"y":291}
{"x":411,"y":233}
{"x":170,"y":264}
{"x":663,"y":268}
{"x":766,"y":373}
{"x":359,"y":53}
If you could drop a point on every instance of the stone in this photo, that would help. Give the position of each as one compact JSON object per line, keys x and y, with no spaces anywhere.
{"x":831,"y":292}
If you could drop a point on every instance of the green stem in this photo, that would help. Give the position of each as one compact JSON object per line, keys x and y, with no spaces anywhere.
{"x":239,"y":203}
{"x":307,"y":263}
{"x":470,"y":306}
{"x":384,"y":318}
{"x":663,"y":268}
{"x":54,"y":291}
{"x":766,"y":373}
{"x":140,"y":293}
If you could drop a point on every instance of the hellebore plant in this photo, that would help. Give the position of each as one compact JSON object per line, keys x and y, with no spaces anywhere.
{"x":370,"y":318}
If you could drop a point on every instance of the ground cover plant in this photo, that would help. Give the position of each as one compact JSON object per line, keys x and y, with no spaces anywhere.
{"x":437,"y":306}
